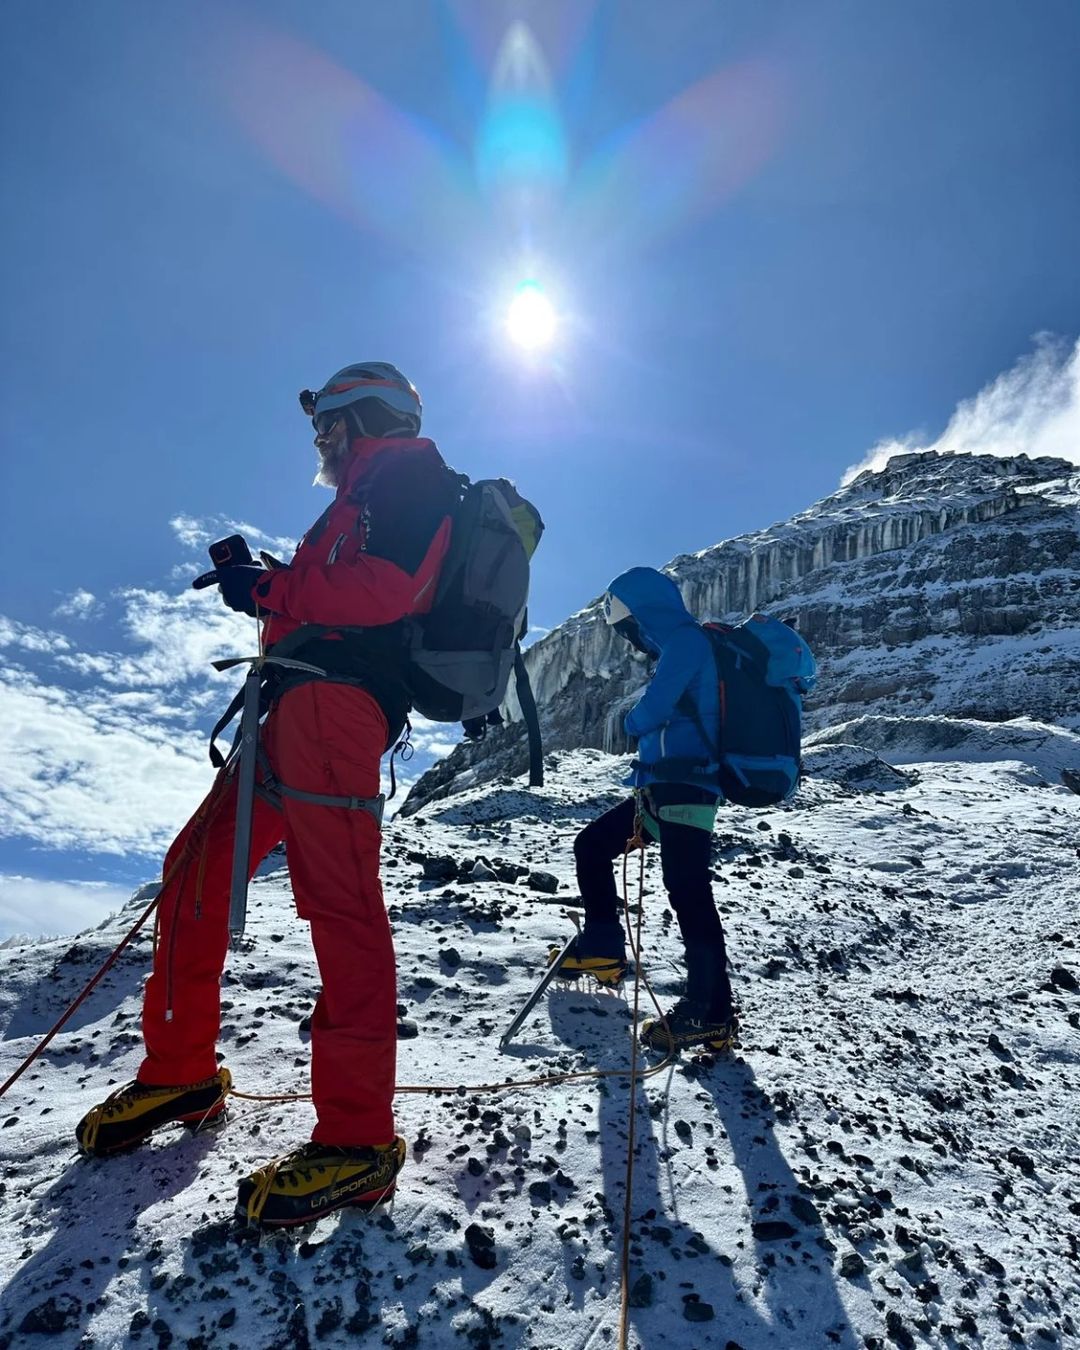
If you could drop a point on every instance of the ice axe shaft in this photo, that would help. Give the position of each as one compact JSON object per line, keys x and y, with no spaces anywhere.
{"x":245,"y":801}
{"x":540,"y":987}
{"x":246,"y":751}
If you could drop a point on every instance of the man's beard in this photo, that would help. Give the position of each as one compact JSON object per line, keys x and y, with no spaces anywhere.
{"x":333,"y":455}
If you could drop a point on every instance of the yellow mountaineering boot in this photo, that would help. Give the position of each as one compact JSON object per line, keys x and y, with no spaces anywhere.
{"x":131,"y":1114}
{"x":317,"y":1179}
{"x":689,"y":1024}
{"x":598,"y":951}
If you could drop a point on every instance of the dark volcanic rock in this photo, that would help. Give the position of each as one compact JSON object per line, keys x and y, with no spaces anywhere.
{"x":545,"y":882}
{"x":696,"y":1311}
{"x":481,"y":1244}
{"x":641,"y":1292}
{"x":440,"y":869}
{"x":804,"y":1210}
{"x":58,"y":1313}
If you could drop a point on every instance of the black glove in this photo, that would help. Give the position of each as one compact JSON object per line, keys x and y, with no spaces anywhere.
{"x":236,"y":583}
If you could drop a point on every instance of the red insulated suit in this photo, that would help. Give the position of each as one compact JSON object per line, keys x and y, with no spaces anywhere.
{"x":371,"y":559}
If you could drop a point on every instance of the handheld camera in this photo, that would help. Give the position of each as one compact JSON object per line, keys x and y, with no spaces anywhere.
{"x":230,"y":552}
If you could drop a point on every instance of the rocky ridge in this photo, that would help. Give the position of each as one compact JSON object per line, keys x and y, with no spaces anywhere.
{"x":941,"y":585}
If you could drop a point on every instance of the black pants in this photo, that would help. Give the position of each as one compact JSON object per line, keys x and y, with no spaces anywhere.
{"x":684,"y":862}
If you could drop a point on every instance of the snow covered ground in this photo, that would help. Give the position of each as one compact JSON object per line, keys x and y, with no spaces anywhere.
{"x":892,"y":1158}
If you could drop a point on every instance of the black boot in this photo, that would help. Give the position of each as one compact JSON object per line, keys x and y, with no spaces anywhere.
{"x":708,"y":987}
{"x":705,"y":1017}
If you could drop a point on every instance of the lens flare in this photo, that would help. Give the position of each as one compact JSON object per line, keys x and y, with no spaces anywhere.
{"x":530,"y":319}
{"x":521,"y":152}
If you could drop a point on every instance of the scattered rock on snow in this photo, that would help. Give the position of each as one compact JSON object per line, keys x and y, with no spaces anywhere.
{"x":440,"y":869}
{"x":641,"y":1292}
{"x":545,"y":882}
{"x":58,"y":1313}
{"x":696,"y":1311}
{"x":481,"y":1244}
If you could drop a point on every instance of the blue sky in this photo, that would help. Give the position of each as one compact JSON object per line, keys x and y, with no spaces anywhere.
{"x":777,"y":236}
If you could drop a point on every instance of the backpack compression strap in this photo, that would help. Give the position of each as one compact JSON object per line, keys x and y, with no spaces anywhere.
{"x":529,"y":716}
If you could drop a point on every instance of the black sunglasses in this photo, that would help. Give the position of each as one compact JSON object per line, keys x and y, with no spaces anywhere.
{"x":630,"y":629}
{"x":325,"y":422}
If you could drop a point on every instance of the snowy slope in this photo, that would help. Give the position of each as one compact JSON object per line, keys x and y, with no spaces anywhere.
{"x":891,"y":1158}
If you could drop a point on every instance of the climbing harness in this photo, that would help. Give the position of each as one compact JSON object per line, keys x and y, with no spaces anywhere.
{"x":245,"y":757}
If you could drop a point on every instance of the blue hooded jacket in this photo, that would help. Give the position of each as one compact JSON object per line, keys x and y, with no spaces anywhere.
{"x":686,"y":666}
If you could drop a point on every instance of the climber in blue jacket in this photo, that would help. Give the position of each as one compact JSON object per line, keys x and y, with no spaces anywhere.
{"x":676,"y":790}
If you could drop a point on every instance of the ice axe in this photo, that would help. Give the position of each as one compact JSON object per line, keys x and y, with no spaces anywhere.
{"x":244,"y":755}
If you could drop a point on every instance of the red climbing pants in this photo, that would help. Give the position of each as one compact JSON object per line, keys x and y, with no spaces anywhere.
{"x":325,"y":738}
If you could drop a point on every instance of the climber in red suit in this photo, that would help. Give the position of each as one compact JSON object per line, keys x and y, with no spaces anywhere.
{"x":371,"y":560}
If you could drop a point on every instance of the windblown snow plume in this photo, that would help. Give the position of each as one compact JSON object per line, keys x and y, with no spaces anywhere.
{"x":1032,"y":409}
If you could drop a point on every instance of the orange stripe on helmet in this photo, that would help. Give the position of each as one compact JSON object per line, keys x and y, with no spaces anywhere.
{"x":356,"y":384}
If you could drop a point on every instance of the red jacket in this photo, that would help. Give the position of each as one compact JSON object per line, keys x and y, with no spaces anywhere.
{"x":371,"y":559}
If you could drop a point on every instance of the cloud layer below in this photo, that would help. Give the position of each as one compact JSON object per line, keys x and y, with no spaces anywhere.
{"x":107,"y":712}
{"x":34,"y":908}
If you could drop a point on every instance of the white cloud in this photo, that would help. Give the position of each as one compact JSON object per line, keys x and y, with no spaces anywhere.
{"x":13,"y":634}
{"x":277,"y":544}
{"x":200,"y":534}
{"x":79,"y":605}
{"x":432,"y":739}
{"x":1032,"y":409}
{"x":30,"y":907}
{"x":179,"y":635}
{"x":191,"y":533}
{"x":92,"y":775}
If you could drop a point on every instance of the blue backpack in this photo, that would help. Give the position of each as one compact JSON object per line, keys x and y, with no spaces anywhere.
{"x":763,"y":668}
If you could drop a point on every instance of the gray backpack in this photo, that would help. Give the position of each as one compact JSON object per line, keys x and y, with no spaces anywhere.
{"x":461,"y":654}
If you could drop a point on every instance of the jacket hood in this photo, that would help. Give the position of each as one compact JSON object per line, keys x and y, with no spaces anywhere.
{"x":654,"y":601}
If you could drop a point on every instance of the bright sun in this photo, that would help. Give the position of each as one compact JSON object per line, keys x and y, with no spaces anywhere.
{"x":530,"y":319}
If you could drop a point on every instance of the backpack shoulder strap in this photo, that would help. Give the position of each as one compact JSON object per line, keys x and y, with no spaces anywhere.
{"x":689,"y":707}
